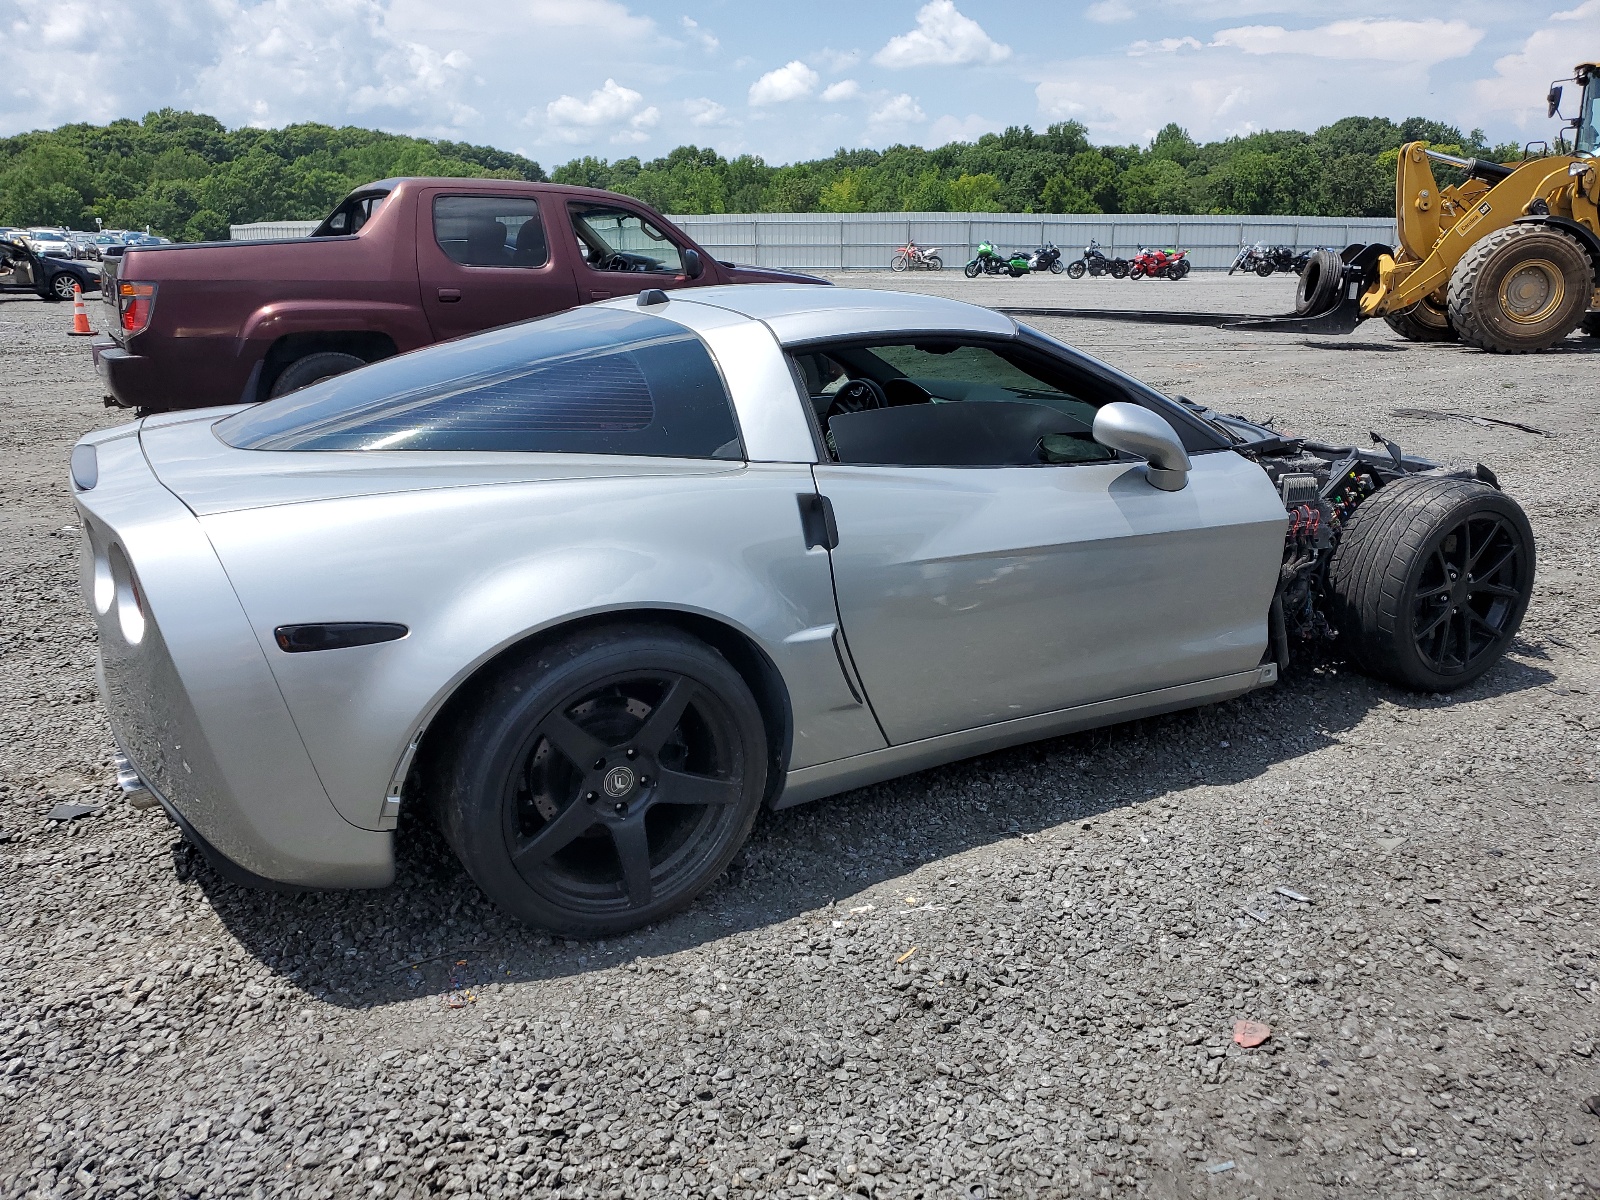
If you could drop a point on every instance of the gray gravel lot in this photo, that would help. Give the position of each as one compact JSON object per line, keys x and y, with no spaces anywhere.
{"x":1014,"y":976}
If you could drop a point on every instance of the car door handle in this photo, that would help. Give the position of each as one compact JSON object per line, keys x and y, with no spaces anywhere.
{"x":596,"y":295}
{"x":449,"y":295}
{"x":816,"y":521}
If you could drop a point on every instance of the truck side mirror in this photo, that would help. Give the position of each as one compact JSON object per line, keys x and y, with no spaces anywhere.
{"x":1554,"y":100}
{"x":692,"y":266}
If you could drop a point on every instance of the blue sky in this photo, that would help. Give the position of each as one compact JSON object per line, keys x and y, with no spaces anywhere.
{"x":558,"y":78}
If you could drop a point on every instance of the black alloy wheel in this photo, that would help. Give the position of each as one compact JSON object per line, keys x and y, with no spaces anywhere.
{"x":1470,"y":590}
{"x":607,"y":783}
{"x":1430,"y":580}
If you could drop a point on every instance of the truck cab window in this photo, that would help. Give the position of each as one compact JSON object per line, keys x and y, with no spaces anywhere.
{"x":618,"y":239}
{"x":490,"y":231}
{"x":350,"y":216}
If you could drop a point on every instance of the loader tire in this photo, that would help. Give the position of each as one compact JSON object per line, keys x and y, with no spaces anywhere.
{"x":1520,"y":289}
{"x":1424,"y":321}
{"x":1320,"y":284}
{"x":1430,"y":580}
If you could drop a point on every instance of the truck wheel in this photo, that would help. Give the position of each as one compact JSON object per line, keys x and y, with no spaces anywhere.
{"x":1430,"y":580}
{"x":1425,"y":321}
{"x":1520,"y":289}
{"x":313,"y":368}
{"x":605,"y":781}
{"x":1318,"y":290}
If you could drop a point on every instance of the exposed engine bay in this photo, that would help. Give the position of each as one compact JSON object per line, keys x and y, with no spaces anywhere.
{"x":1321,"y":486}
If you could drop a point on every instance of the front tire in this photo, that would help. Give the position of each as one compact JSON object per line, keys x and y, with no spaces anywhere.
{"x":1075,"y":270}
{"x":1424,"y":321}
{"x":973,"y":269}
{"x":313,"y":368}
{"x":604,"y":781}
{"x":1520,"y":289}
{"x":1431,"y":580}
{"x":899,"y":262}
{"x":1057,"y":266}
{"x":61,"y":285}
{"x":1264,"y":270}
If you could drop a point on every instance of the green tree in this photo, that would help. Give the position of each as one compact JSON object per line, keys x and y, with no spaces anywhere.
{"x":1062,"y":195}
{"x":975,"y":193}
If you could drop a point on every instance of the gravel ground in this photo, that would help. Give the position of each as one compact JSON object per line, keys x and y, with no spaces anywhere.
{"x":1014,"y":976}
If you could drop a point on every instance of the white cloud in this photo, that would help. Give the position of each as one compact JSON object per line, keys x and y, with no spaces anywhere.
{"x":789,"y":82}
{"x":960,"y":129}
{"x":1515,"y":92}
{"x":1420,"y":42}
{"x":897,"y":110}
{"x":837,"y":60}
{"x":705,"y":113}
{"x":610,"y":106}
{"x":1164,"y":46}
{"x":845,"y":89}
{"x":708,"y":40}
{"x":943,"y":38}
{"x":1109,"y":12}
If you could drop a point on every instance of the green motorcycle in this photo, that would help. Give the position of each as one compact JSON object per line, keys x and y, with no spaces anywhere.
{"x":990,"y":261}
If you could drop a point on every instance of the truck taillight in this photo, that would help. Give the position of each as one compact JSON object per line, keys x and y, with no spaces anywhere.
{"x":135,"y":302}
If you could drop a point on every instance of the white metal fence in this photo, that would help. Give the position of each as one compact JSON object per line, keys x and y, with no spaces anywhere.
{"x":866,"y":241}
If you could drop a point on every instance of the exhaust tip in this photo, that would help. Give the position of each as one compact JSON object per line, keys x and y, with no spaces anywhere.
{"x":132,"y":784}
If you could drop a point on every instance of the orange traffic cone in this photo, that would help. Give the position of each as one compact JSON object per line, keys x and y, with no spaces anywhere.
{"x":80,"y":315}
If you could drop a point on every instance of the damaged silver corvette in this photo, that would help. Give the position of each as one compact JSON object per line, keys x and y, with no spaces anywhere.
{"x":595,"y":588}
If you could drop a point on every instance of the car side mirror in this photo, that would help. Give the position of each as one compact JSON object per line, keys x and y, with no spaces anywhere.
{"x":692,"y":266}
{"x":1136,"y":430}
{"x":1554,"y":101}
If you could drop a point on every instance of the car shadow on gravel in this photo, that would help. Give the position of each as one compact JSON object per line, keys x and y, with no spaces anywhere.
{"x":433,"y":934}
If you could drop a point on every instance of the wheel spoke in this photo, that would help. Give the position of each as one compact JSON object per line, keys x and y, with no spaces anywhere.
{"x":1493,"y":589}
{"x":584,"y":749}
{"x":664,"y":717}
{"x":1500,"y":564}
{"x":679,"y":787}
{"x":560,"y":832}
{"x":1434,"y":593}
{"x":1483,"y":546}
{"x":1433,"y":625}
{"x":633,"y":851}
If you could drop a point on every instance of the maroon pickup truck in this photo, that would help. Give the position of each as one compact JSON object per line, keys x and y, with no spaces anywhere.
{"x":399,"y":264}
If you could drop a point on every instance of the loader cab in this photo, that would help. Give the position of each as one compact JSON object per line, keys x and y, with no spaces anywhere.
{"x":1586,"y":126}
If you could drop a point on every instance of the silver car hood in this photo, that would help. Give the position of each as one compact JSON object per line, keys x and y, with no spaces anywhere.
{"x":212,"y":477}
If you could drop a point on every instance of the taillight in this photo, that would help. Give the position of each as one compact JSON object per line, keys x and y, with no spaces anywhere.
{"x":135,"y":303}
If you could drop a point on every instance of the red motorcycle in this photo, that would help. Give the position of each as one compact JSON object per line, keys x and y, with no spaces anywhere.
{"x":1159,"y":264}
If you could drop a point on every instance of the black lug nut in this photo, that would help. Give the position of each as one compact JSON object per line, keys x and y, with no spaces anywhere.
{"x":621,"y":809}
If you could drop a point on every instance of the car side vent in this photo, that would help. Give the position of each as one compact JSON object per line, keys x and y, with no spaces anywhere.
{"x":335,"y":635}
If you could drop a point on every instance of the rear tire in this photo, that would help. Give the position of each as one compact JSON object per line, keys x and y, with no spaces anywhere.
{"x":1520,"y":289}
{"x":1264,"y":269}
{"x":934,"y":262}
{"x":1318,"y":290}
{"x":1431,"y":580}
{"x":564,"y":828}
{"x":313,"y":368}
{"x":1424,"y":321}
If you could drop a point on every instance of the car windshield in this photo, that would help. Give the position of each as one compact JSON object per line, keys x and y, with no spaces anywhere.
{"x":47,"y":236}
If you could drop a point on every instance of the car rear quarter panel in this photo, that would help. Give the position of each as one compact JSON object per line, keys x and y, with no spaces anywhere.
{"x":190,"y":695}
{"x":471,"y":570}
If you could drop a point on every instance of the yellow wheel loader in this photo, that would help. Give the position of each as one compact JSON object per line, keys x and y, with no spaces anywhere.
{"x":1508,"y":260}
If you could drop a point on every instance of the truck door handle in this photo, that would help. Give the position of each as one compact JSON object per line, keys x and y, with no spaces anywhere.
{"x":816,"y":521}
{"x":449,"y":295}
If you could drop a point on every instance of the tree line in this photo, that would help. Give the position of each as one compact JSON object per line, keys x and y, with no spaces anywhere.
{"x":187,"y":176}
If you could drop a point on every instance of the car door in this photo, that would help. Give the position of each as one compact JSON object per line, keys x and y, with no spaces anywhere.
{"x":484,"y":260}
{"x":995,"y":587}
{"x":620,"y":251}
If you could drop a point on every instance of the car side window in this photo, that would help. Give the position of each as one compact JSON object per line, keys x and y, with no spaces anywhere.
{"x":350,"y":216}
{"x":613,"y":238}
{"x":944,"y":402}
{"x":586,"y":381}
{"x":490,"y":231}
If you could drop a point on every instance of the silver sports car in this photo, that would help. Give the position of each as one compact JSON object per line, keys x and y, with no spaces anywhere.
{"x":596,"y":587}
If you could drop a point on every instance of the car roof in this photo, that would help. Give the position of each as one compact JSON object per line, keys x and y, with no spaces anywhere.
{"x":799,"y":313}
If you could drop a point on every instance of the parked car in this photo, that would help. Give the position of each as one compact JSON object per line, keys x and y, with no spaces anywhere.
{"x":595,"y":588}
{"x":99,"y":243}
{"x":399,"y":264}
{"x":52,"y":242}
{"x":51,"y":278}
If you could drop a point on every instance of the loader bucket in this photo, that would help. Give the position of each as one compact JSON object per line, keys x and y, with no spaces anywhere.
{"x":1329,"y":298}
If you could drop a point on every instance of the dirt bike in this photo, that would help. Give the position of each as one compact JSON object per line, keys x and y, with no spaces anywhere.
{"x":1159,"y":264}
{"x":913,"y":257}
{"x":1096,"y":262}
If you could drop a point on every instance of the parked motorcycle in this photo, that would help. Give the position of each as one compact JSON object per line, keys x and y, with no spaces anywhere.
{"x":1046,"y":258}
{"x":990,"y":261}
{"x":1159,"y":264}
{"x":912,"y":257}
{"x":1264,"y":259}
{"x":1096,"y":262}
